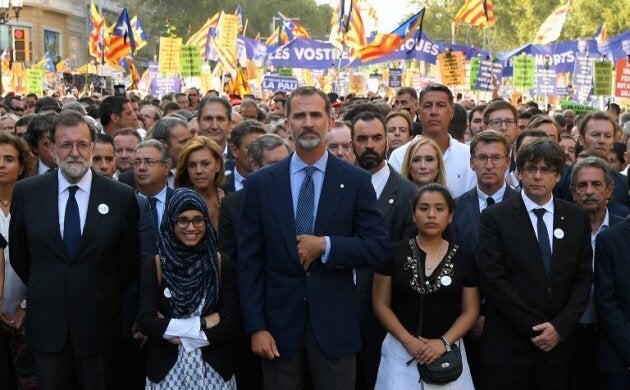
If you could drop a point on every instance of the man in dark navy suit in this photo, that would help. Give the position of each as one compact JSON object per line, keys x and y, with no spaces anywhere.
{"x":592,"y":185}
{"x":309,"y":221}
{"x":74,"y":243}
{"x":490,"y":159}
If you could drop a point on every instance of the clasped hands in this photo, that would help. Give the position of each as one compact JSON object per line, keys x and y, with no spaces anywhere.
{"x":548,"y":338}
{"x":425,"y":351}
{"x":310,"y":248}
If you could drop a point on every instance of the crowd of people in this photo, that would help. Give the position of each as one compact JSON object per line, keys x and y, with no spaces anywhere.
{"x":312,"y":241}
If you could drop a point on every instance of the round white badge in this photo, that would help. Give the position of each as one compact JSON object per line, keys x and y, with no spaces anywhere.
{"x":391,"y":201}
{"x":341,"y":186}
{"x":167,"y":292}
{"x":103,"y":208}
{"x":558,"y":233}
{"x":446,"y":280}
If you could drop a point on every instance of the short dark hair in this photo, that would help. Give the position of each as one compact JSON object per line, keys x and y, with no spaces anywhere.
{"x":25,"y":157}
{"x":264,"y":143}
{"x":487,"y":137}
{"x":367,"y":116}
{"x":480,"y":107}
{"x":215,"y":99}
{"x":597,"y":115}
{"x":245,"y":128}
{"x":536,"y":133}
{"x":163,"y":128}
{"x":102,"y":138}
{"x":308,"y":91}
{"x":435,"y":187}
{"x":408,"y":90}
{"x":38,"y":127}
{"x":48,"y":103}
{"x":436,"y":87}
{"x":497,"y":105}
{"x":70,"y":118}
{"x":543,"y":149}
{"x":458,"y":124}
{"x":358,"y":108}
{"x":111,"y":105}
{"x":530,"y":113}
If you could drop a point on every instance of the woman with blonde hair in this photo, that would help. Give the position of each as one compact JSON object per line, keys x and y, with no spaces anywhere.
{"x":201,"y":168}
{"x":423,"y":162}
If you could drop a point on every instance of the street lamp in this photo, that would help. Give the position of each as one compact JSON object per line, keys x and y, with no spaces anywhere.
{"x":5,"y":15}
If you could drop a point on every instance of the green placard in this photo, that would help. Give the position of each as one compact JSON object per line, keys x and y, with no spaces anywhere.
{"x":35,"y":81}
{"x":474,"y":70}
{"x":602,"y":78}
{"x":578,"y":108}
{"x":190,"y":62}
{"x":285,"y":71}
{"x":524,"y":72}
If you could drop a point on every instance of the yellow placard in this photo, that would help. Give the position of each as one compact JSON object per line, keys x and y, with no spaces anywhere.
{"x":170,"y":52}
{"x":357,"y":83}
{"x":452,"y":68}
{"x":35,"y":81}
{"x":252,"y":70}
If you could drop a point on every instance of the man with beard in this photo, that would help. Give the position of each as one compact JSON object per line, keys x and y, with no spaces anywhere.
{"x":369,"y":141}
{"x":74,"y":243}
{"x":592,"y":185}
{"x":309,"y":220}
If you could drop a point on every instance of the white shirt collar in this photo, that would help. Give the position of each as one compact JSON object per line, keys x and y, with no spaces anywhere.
{"x":531,"y":205}
{"x":497,"y":196}
{"x":85,"y":183}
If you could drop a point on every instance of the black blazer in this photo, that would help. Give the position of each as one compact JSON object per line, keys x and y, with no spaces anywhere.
{"x":612,"y":297}
{"x":228,"y":185}
{"x":518,"y":293}
{"x":230,"y":224}
{"x":74,"y":298}
{"x":465,"y":225}
{"x":127,"y":178}
{"x":162,"y":355}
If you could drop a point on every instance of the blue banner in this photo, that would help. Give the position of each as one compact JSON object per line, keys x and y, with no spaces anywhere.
{"x":422,"y":50}
{"x":277,"y":83}
{"x":469,"y":51}
{"x":395,"y":78}
{"x":583,"y":78}
{"x":546,"y":82}
{"x":308,"y":54}
{"x":487,"y":69}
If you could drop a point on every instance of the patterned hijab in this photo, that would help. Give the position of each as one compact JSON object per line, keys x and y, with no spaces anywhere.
{"x":190,"y":273}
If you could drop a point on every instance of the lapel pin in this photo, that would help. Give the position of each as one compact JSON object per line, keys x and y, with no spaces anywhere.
{"x":103,"y":208}
{"x":558,"y":233}
{"x":446,"y":280}
{"x":341,"y":186}
{"x":167,"y":293}
{"x":391,"y":201}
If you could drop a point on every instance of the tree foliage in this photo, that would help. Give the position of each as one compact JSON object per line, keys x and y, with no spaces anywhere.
{"x":189,"y":15}
{"x":517,"y":21}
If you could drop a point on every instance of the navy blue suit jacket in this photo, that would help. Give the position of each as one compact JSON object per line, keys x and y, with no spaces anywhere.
{"x":465,"y":225}
{"x":276,"y":293}
{"x":612,"y":298}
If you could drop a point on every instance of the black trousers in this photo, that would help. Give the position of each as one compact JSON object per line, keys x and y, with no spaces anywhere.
{"x":538,"y":376}
{"x":67,"y":370}
{"x":586,"y":376}
{"x":309,"y":361}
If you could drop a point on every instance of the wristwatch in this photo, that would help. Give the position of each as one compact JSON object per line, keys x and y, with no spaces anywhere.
{"x":23,"y":304}
{"x":203,"y":323}
{"x":447,"y":346}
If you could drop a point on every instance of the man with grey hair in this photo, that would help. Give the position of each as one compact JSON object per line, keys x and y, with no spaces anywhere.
{"x":592,"y":185}
{"x":151,"y":164}
{"x":264,"y":150}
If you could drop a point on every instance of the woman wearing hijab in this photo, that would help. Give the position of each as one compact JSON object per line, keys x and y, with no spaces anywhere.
{"x":189,"y":302}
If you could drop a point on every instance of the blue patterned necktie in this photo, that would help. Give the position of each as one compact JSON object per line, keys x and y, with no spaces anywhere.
{"x":305,"y":204}
{"x":72,"y":223}
{"x":154,"y":213}
{"x":543,"y":239}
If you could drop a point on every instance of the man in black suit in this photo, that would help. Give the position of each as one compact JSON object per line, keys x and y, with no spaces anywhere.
{"x":394,"y":194}
{"x":38,"y":138}
{"x":490,"y":159}
{"x":74,"y":243}
{"x":535,"y":267}
{"x":242,"y":136}
{"x":612,"y":299}
{"x":214,"y":118}
{"x":263,"y":151}
{"x":173,"y":133}
{"x":125,"y":141}
{"x":591,"y":186}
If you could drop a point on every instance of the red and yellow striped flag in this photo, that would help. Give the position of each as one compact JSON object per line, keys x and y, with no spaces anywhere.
{"x":201,"y":36}
{"x":552,"y":27}
{"x":478,"y":13}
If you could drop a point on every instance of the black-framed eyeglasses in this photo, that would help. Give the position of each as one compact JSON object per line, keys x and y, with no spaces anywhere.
{"x":496,"y":123}
{"x":533,"y":169}
{"x":183,"y":222}
{"x":149,"y":162}
{"x":495,"y":158}
{"x":82,"y":146}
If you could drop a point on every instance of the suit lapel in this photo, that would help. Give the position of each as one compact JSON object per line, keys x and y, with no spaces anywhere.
{"x":521,"y":219}
{"x":50,"y":209}
{"x":279,"y":188}
{"x":98,"y":197}
{"x":560,"y":228}
{"x":389,"y":195}
{"x":332,"y":192}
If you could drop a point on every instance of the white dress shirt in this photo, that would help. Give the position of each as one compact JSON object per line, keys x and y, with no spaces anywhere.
{"x":379,"y":179}
{"x":530,"y":205}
